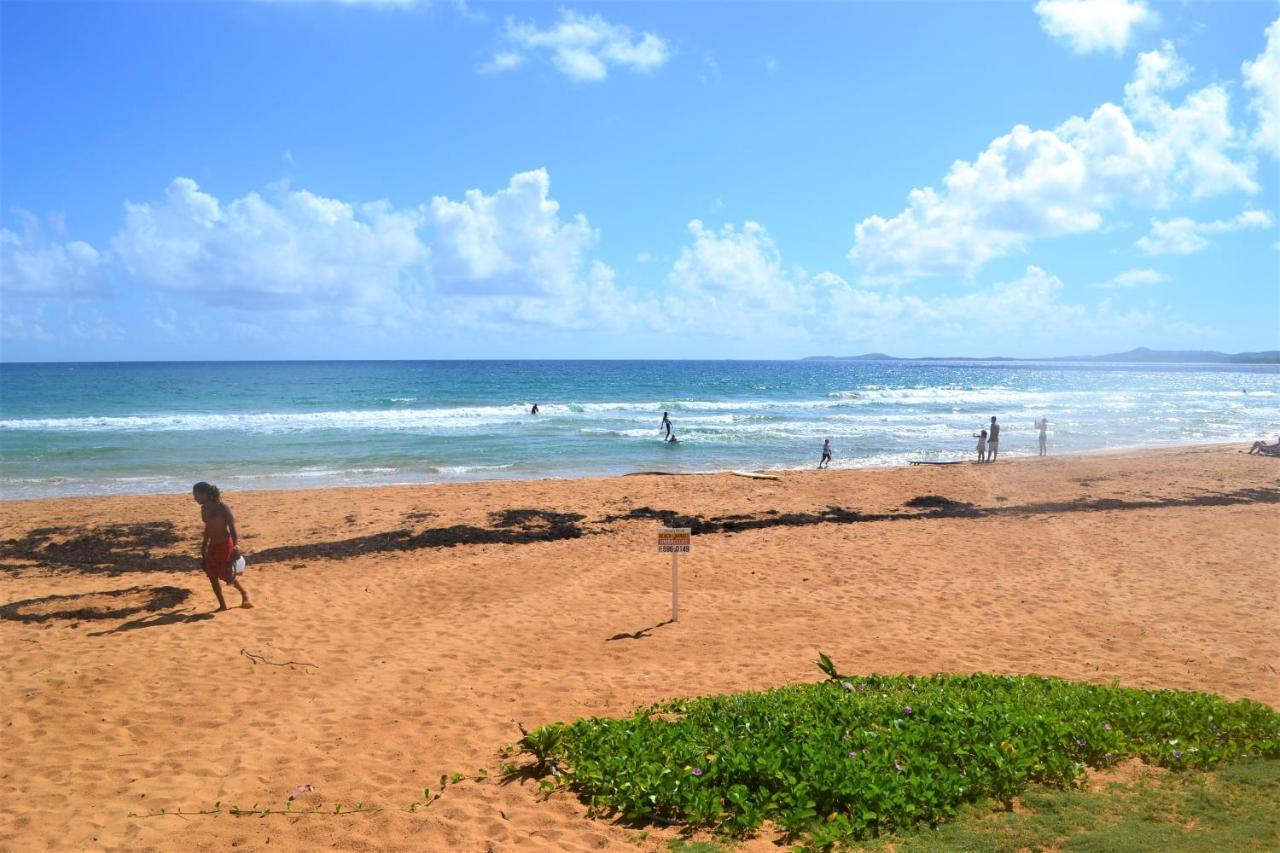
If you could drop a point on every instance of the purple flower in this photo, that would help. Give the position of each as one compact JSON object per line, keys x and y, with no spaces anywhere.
{"x":697,"y":771}
{"x":862,"y":688}
{"x":1079,"y":742}
{"x":897,"y":766}
{"x":853,"y":754}
{"x":1177,"y":753}
{"x":906,"y":710}
{"x":1109,"y":756}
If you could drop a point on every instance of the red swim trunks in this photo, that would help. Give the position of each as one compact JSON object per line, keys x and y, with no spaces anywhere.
{"x":217,"y":561}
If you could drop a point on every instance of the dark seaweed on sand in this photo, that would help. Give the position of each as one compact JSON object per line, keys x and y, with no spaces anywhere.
{"x":111,"y":549}
{"x":512,"y":527}
{"x":162,"y":598}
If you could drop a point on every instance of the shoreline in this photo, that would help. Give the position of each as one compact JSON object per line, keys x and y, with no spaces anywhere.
{"x":532,"y":477}
{"x":426,"y":623}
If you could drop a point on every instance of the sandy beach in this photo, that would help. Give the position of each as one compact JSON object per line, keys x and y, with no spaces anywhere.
{"x":424,"y":623}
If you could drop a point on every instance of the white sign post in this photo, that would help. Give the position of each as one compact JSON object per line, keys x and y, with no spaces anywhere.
{"x":674,"y":541}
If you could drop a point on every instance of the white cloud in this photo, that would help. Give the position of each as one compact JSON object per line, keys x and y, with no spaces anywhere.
{"x":1133,"y":278}
{"x":17,"y":327}
{"x":1190,"y":144}
{"x":710,"y":70}
{"x":734,"y":283}
{"x":735,"y":280}
{"x":509,"y":257}
{"x":997,"y":320}
{"x":510,"y":242}
{"x":1093,"y":25}
{"x":1029,"y":304}
{"x":1183,"y":236}
{"x":503,"y":60}
{"x":90,"y":324}
{"x":31,"y":265}
{"x":295,"y":251}
{"x":1262,"y":78}
{"x":486,"y":260}
{"x":582,"y":47}
{"x":1031,"y":184}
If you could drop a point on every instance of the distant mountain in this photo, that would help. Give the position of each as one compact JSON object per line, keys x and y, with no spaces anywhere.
{"x":1140,"y":355}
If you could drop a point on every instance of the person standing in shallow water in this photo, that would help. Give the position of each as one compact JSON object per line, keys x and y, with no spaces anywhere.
{"x":666,"y":424}
{"x":993,"y":440}
{"x":218,"y":548}
{"x":1042,"y":426}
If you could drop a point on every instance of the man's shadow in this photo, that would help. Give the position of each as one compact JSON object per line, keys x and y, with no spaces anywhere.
{"x":638,"y":635}
{"x":179,"y":617}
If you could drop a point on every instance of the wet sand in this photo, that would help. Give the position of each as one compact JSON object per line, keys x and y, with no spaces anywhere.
{"x":424,"y":622}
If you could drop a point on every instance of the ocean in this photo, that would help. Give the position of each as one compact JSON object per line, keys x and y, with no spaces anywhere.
{"x":94,"y":429}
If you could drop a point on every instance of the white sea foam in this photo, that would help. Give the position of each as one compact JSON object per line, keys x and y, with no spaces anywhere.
{"x":688,"y":413}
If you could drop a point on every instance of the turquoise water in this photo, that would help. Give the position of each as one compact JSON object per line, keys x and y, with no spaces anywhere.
{"x":81,"y":429}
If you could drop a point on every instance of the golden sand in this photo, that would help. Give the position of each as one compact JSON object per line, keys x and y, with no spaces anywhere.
{"x":422,"y":661}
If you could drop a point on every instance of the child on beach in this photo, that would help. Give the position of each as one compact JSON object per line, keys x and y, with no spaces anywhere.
{"x":982,"y":445}
{"x":218,"y":548}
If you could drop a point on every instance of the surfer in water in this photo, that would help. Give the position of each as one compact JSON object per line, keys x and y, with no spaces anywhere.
{"x":666,"y":424}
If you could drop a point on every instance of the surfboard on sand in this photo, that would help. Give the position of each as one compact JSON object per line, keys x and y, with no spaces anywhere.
{"x":755,"y":476}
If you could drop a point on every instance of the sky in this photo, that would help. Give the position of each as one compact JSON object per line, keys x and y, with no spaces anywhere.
{"x":315,"y":179}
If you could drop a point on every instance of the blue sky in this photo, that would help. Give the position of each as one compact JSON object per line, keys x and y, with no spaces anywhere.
{"x":637,"y":180}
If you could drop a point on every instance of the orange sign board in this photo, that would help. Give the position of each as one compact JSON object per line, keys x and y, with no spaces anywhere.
{"x":674,"y":540}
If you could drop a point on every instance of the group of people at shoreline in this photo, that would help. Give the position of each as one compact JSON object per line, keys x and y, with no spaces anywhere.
{"x":989,"y":439}
{"x":988,"y":442}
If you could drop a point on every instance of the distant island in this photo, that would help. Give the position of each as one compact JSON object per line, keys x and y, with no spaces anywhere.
{"x":1134,"y":356}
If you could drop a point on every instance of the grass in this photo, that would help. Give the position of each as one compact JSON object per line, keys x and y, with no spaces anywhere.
{"x":1235,"y":809}
{"x":856,"y":758}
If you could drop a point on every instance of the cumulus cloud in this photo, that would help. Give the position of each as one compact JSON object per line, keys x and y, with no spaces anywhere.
{"x":32,"y":265}
{"x":1087,"y":26}
{"x":1262,"y":79}
{"x":488,"y":259}
{"x":1031,"y":184}
{"x":1132,"y":278}
{"x":295,"y":250}
{"x":733,"y":282}
{"x":1183,"y":236}
{"x":514,"y":259}
{"x":736,"y":278}
{"x":581,"y":46}
{"x":1029,"y":303}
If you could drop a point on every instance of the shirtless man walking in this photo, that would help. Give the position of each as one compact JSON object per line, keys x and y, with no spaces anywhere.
{"x":218,"y":548}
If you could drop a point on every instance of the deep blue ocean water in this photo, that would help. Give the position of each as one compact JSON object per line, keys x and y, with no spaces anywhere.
{"x":83,"y":429}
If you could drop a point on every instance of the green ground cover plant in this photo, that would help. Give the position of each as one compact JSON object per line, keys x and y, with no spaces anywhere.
{"x":855,"y":757}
